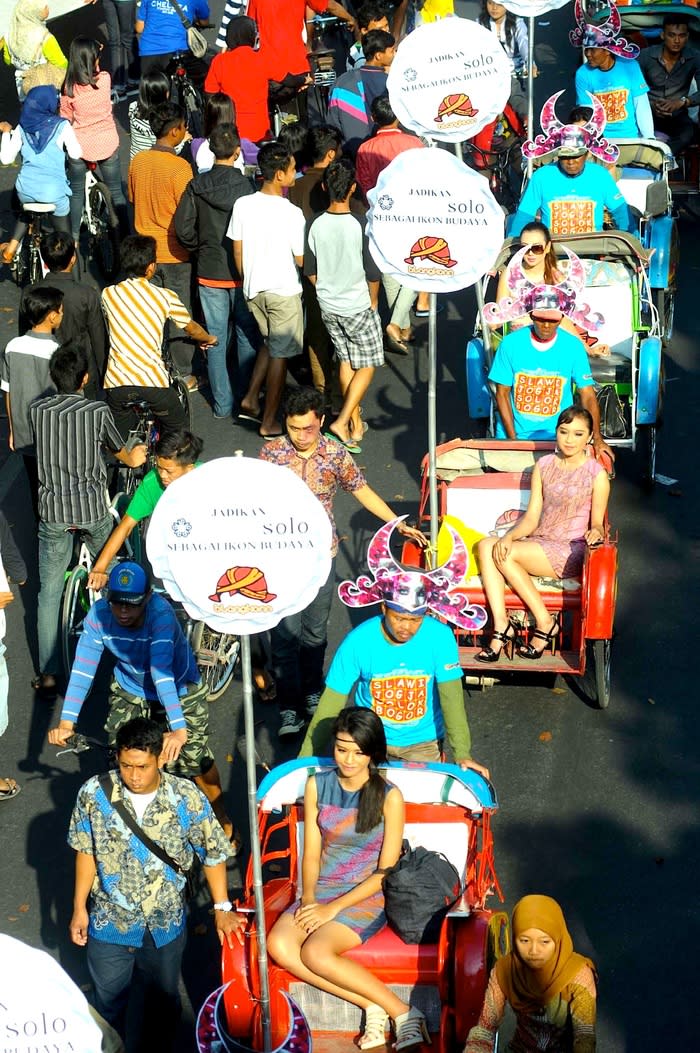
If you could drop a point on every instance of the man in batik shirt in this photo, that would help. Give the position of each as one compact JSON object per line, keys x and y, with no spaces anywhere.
{"x":129,"y":904}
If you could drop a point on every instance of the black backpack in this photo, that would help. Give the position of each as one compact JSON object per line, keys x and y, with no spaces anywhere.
{"x":418,"y":892}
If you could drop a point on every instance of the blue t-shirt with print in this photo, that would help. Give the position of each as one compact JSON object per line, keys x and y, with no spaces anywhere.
{"x":398,"y":681}
{"x":163,"y":32}
{"x":616,"y":89}
{"x":540,"y":380}
{"x":571,"y":204}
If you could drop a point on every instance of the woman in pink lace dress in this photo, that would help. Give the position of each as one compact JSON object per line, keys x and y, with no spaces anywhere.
{"x":568,"y":499}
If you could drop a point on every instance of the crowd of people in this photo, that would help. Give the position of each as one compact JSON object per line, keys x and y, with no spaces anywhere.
{"x":247,"y":250}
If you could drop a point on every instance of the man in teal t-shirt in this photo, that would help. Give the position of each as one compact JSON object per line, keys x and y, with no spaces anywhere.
{"x":176,"y":454}
{"x":620,"y":86}
{"x":405,"y":667}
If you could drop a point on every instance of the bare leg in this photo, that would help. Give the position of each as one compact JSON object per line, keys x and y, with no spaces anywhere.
{"x":494,"y":586}
{"x":524,"y":559}
{"x":251,"y":400}
{"x":210,"y":785}
{"x":353,"y":384}
{"x":276,"y":376}
{"x":316,"y":960}
{"x":423,"y":301}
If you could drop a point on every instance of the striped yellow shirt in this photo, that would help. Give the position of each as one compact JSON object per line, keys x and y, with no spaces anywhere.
{"x":136,"y":313}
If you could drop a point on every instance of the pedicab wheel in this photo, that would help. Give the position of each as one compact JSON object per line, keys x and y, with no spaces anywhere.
{"x":649,"y":436}
{"x":665,"y":303}
{"x":183,"y":396}
{"x":104,"y":236}
{"x":601,"y":656}
{"x":217,"y":656}
{"x":76,"y":604}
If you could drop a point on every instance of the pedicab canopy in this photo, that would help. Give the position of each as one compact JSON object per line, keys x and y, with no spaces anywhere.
{"x":433,"y":223}
{"x":449,"y":79}
{"x":240,"y":543}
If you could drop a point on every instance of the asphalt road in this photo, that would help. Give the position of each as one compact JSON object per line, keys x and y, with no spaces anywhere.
{"x":601,"y":812}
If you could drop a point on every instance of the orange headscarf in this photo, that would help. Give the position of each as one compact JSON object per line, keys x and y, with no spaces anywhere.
{"x":530,"y":989}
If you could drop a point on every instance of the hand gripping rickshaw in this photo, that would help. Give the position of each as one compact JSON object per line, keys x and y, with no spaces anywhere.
{"x":483,"y":489}
{"x":448,"y":810}
{"x":616,"y":280}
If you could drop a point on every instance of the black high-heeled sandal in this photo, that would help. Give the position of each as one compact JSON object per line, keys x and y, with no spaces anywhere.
{"x":488,"y":655}
{"x":550,"y":638}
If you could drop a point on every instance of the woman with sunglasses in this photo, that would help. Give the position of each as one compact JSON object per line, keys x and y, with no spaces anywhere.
{"x":541,"y":266}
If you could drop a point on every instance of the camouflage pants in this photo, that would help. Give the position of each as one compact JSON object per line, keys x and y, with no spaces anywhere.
{"x":195,"y":756}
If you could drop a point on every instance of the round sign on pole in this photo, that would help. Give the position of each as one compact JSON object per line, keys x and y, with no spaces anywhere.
{"x":532,"y":8}
{"x":433,"y":223}
{"x":241,"y":543}
{"x":449,"y":79}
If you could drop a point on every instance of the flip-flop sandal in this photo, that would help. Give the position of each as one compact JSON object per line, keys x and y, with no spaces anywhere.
{"x":426,"y":314}
{"x":254,"y":418}
{"x":11,"y":791}
{"x":398,"y":347}
{"x":350,"y":445}
{"x":269,"y":438}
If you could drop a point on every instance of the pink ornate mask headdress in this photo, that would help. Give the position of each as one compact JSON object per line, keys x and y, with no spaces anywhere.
{"x":525,"y":294}
{"x":560,"y":136}
{"x":414,"y":591}
{"x":605,"y":35}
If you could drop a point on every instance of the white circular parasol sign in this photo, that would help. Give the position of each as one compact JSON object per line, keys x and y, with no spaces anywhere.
{"x":449,"y":79}
{"x":241,"y":543}
{"x":433,"y":223}
{"x":532,"y":8}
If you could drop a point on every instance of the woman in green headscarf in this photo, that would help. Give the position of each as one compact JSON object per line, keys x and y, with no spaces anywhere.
{"x":551,"y":989}
{"x":29,"y":44}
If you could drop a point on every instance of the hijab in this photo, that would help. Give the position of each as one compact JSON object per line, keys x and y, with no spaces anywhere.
{"x":38,"y":119}
{"x":528,"y":989}
{"x":27,"y":30}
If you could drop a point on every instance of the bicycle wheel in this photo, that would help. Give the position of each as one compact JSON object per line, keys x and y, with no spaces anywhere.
{"x":36,"y":272}
{"x":217,"y":656}
{"x":104,"y":239}
{"x":183,"y":396}
{"x":76,"y":604}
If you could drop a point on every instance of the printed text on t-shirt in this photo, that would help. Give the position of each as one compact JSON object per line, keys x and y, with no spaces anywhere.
{"x":399,"y":699}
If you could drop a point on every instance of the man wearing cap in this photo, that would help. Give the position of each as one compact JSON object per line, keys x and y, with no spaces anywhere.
{"x":570,"y":197}
{"x":612,"y":74}
{"x":155,"y":675}
{"x":534,"y":369}
{"x":405,"y":666}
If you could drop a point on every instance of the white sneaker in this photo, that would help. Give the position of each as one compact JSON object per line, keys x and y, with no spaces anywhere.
{"x":291,"y":724}
{"x":311,"y":701}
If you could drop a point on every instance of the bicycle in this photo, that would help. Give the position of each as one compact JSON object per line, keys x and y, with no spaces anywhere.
{"x":100,"y":221}
{"x":185,"y":93}
{"x":502,"y":166}
{"x":27,"y":265}
{"x":330,"y":49}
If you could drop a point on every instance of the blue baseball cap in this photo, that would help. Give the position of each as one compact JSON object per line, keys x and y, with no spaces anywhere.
{"x":128,"y":583}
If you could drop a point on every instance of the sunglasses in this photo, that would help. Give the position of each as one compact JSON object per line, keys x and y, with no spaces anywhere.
{"x":536,"y":249}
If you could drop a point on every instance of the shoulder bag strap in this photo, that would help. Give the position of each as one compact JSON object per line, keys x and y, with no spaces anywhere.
{"x":183,"y":17}
{"x":120,"y":808}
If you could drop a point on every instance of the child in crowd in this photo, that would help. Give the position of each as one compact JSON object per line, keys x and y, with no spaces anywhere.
{"x":24,"y":369}
{"x":346,"y":279}
{"x":41,"y":137}
{"x":268,"y":247}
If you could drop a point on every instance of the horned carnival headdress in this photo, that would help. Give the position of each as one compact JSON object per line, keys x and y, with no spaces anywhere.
{"x":555,"y":134}
{"x":604,"y":35}
{"x":525,"y":294}
{"x":415,"y":591}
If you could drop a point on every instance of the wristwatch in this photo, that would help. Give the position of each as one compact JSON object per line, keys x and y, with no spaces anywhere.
{"x":226,"y":905}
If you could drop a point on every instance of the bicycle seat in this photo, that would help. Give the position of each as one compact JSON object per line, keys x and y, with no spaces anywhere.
{"x":137,"y":404}
{"x":38,"y":206}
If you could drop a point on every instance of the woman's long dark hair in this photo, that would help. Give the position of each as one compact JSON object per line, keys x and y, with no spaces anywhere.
{"x":484,"y":19}
{"x":218,"y":110}
{"x":367,"y":732}
{"x":82,"y":64}
{"x":154,"y":90}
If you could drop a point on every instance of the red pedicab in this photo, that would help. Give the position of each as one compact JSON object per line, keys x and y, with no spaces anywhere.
{"x":483,"y":488}
{"x":448,"y":810}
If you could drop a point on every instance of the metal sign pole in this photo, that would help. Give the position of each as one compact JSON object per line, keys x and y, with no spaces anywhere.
{"x":432,"y":419}
{"x":530,"y":86}
{"x":249,"y":723}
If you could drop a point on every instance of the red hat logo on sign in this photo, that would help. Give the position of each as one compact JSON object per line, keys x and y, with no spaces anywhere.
{"x":434,"y":249}
{"x":248,"y":581}
{"x":455,"y":106}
